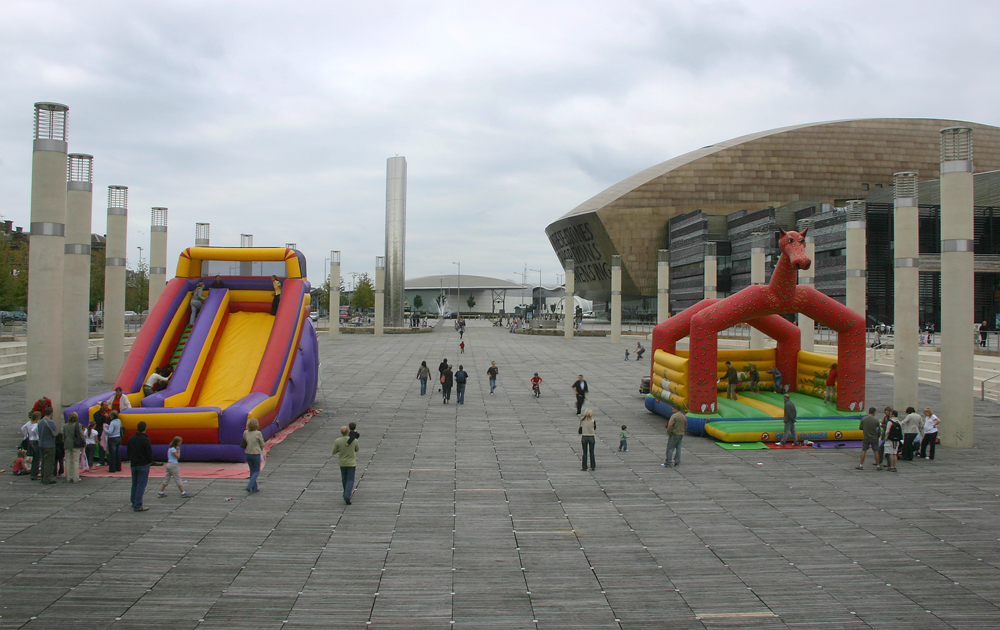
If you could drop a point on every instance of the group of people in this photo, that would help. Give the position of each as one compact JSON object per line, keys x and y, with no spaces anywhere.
{"x":892,"y":439}
{"x":734,"y":379}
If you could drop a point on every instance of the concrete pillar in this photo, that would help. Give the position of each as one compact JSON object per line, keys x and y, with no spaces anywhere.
{"x":957,"y":287}
{"x":616,"y":298}
{"x":76,"y":277}
{"x":157,"y":254}
{"x":395,"y":240}
{"x":201,"y":234}
{"x":662,"y":285}
{"x":857,"y":259}
{"x":45,"y":257}
{"x":711,"y":271}
{"x":379,"y":295}
{"x":906,"y":291}
{"x":569,"y":305}
{"x":246,"y":266}
{"x":114,"y":282}
{"x":758,"y":271}
{"x":334,"y":295}
{"x":807,"y":327}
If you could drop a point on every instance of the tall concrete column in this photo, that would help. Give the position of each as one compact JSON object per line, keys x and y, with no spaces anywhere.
{"x":201,"y":234}
{"x":857,"y":259}
{"x":45,"y":257}
{"x":807,"y":327}
{"x":76,"y":277}
{"x":114,"y":282}
{"x":616,"y":298}
{"x":758,"y":271}
{"x":246,"y":266}
{"x":334,"y":295}
{"x":906,"y":291}
{"x":379,"y":295}
{"x":711,"y":271}
{"x":957,"y":287}
{"x":569,"y":305}
{"x":395,"y":240}
{"x":157,"y":254}
{"x":662,"y":285}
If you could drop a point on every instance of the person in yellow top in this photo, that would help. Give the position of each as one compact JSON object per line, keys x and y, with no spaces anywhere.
{"x":346,"y":448}
{"x":277,"y":294}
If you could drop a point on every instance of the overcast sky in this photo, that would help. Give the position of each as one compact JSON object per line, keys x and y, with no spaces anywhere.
{"x":277,"y":120}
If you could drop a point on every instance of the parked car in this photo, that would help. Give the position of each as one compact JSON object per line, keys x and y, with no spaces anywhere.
{"x":131,"y":314}
{"x":644,"y":385}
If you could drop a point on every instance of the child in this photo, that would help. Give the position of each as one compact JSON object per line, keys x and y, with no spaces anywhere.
{"x":461,"y":348}
{"x":19,"y":467}
{"x":353,"y":434}
{"x":626,"y":354}
{"x":172,"y":469}
{"x":536,"y":384}
{"x":831,"y":384}
{"x":754,"y":379}
{"x":623,"y":440}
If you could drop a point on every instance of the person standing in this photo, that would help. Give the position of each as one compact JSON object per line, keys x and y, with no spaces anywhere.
{"x":492,"y":374}
{"x":983,"y":333}
{"x":911,"y":429}
{"x":831,"y":384}
{"x":461,"y":377}
{"x":446,"y":384}
{"x":90,"y":446}
{"x":197,"y":300}
{"x":73,"y":440}
{"x":931,"y":423}
{"x":47,"y":444}
{"x":461,"y":348}
{"x":732,"y":379}
{"x":30,"y":433}
{"x":114,"y":433}
{"x":869,"y":427}
{"x":588,"y":439}
{"x":776,"y":374}
{"x":581,"y":389}
{"x":346,"y":449}
{"x":791,"y":413}
{"x":623,"y":439}
{"x":253,"y":446}
{"x":893,"y":440}
{"x":140,"y":458}
{"x":119,"y":402}
{"x":423,"y":373}
{"x":276,"y":284}
{"x":101,"y":418}
{"x":754,"y":379}
{"x":676,"y":428}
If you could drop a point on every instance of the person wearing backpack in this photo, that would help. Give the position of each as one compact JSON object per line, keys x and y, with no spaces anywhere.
{"x":461,"y":376}
{"x":893,"y":439}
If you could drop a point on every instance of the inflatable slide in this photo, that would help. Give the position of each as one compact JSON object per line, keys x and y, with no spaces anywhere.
{"x":237,"y":361}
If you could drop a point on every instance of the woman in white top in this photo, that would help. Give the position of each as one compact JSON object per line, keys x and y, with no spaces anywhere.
{"x":30,"y":432}
{"x":90,"y":436}
{"x":931,"y":423}
{"x":157,"y":377}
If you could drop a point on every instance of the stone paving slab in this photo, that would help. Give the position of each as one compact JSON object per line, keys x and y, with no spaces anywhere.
{"x":477,"y":516}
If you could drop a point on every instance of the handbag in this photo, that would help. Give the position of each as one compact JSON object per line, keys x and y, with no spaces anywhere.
{"x":442,"y":379}
{"x":580,"y":430}
{"x":78,"y":439}
{"x":243,"y":444}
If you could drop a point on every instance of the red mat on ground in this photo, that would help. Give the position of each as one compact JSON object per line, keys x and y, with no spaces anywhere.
{"x":210,"y":470}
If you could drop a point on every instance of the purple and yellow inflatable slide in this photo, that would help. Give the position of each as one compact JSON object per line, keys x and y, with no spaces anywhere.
{"x":236,"y":362}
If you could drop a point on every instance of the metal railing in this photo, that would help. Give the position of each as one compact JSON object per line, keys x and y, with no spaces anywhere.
{"x":982,"y":387}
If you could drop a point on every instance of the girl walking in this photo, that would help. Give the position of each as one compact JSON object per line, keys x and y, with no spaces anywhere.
{"x":172,"y":469}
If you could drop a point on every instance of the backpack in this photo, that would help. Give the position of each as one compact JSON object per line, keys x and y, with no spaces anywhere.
{"x":894,"y":431}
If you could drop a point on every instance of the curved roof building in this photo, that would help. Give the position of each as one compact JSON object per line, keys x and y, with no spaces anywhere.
{"x":828,"y":162}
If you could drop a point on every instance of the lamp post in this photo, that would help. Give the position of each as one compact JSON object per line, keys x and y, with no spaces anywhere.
{"x":139,"y":247}
{"x":458,"y":298}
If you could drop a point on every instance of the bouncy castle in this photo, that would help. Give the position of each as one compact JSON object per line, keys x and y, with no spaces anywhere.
{"x":690,"y":379}
{"x":235,"y":362}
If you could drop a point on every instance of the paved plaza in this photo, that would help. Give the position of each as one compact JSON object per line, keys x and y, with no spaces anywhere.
{"x":478,"y":516}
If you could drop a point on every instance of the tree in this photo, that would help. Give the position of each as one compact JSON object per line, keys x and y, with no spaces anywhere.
{"x":364,"y":295}
{"x":13,"y":273}
{"x":471,"y":301}
{"x":137,"y":288}
{"x":97,"y":258}
{"x":417,"y":302}
{"x":344,"y":299}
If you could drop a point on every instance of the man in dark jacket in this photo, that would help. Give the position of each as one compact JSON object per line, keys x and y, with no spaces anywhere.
{"x":791,"y":413}
{"x":581,"y":389}
{"x":47,"y":444}
{"x":461,"y":376}
{"x":441,"y":368}
{"x":140,"y":457}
